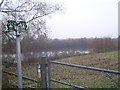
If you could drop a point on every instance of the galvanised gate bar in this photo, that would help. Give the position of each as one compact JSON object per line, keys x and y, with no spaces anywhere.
{"x":48,"y":62}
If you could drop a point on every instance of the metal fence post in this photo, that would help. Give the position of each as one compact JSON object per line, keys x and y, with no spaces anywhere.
{"x":19,"y":66}
{"x":49,"y":75}
{"x":43,"y":73}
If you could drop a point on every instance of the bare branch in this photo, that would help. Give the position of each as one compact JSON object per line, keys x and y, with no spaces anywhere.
{"x":40,"y":16}
{"x":21,"y":5}
{"x":1,"y":3}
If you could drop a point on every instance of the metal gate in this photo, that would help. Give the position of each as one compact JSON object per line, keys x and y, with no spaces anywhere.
{"x":46,"y":73}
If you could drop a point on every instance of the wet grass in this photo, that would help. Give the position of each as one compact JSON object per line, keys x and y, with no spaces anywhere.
{"x":88,"y":78}
{"x":81,"y":77}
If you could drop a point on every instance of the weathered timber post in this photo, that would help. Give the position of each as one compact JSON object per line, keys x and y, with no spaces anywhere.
{"x":49,"y":75}
{"x":43,"y":72}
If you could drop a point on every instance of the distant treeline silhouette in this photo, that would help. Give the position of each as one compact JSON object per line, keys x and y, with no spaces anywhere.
{"x":31,"y":45}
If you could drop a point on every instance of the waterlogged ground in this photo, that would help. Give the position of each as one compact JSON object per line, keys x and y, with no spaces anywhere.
{"x":81,"y":77}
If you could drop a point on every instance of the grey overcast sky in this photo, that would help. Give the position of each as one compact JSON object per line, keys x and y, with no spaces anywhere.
{"x":85,"y":18}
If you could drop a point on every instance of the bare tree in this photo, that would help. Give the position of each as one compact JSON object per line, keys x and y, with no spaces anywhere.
{"x":32,"y":12}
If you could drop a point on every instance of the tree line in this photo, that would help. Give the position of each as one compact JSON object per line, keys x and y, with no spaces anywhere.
{"x":32,"y":46}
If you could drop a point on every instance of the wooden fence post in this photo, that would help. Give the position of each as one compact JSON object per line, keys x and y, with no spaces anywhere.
{"x":49,"y":75}
{"x":43,"y":73}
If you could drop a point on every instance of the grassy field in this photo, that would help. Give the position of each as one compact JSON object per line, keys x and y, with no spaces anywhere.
{"x":88,"y":78}
{"x":82,"y":77}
